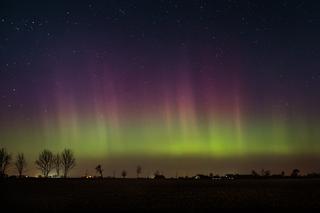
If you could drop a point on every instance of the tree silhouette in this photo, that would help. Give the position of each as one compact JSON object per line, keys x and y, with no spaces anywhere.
{"x":57,"y":164}
{"x":45,"y":162}
{"x":5,"y":159}
{"x":139,"y":170}
{"x":124,"y":173}
{"x":295,"y":173}
{"x":68,"y":161}
{"x":99,"y":170}
{"x":20,"y":163}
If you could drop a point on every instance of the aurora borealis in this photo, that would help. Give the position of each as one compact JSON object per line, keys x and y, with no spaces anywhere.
{"x":161,"y":82}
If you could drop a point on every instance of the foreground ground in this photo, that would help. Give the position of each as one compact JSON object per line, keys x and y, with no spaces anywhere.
{"x":126,"y":194}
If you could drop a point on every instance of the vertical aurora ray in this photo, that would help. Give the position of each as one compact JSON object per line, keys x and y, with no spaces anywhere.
{"x":114,"y":118}
{"x":109,"y":125}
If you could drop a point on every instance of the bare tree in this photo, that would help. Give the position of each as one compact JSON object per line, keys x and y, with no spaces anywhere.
{"x":139,"y":170}
{"x":99,"y":170}
{"x":68,"y":161}
{"x":5,"y":159}
{"x":57,"y":163}
{"x":124,"y":173}
{"x":20,"y":163}
{"x":45,"y":162}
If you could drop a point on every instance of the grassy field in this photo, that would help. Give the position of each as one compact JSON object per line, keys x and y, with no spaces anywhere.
{"x":125,"y":194}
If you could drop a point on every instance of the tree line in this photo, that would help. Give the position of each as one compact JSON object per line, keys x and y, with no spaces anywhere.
{"x":65,"y":161}
{"x":46,"y":162}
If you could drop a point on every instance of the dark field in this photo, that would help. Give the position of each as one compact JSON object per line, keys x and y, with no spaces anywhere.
{"x":128,"y":194}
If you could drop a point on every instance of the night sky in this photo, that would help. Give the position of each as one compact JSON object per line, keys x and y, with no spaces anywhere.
{"x":178,"y":86}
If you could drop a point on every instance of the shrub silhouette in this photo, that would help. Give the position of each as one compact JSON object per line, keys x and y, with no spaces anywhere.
{"x":20,"y":163}
{"x":99,"y":170}
{"x":267,"y":173}
{"x":295,"y":173}
{"x":45,"y":162}
{"x":254,"y":173}
{"x":68,"y":161}
{"x":124,"y":173}
{"x":158,"y":175}
{"x":5,"y":159}
{"x":139,"y":170}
